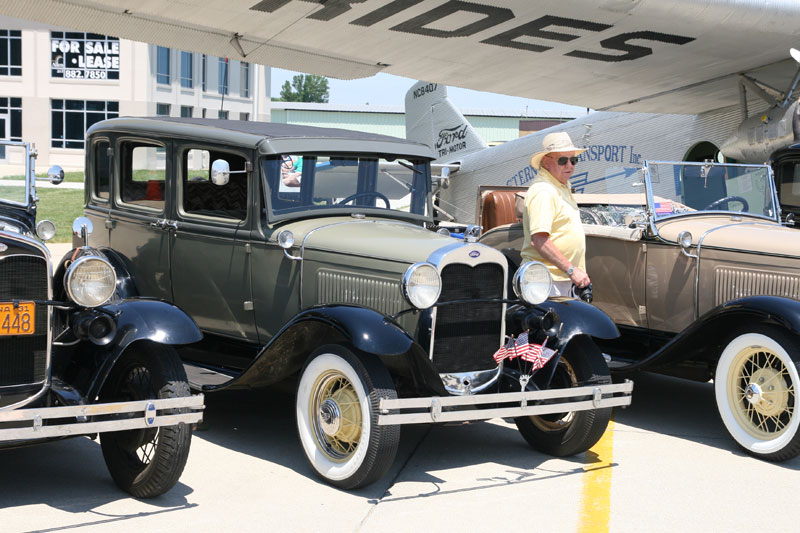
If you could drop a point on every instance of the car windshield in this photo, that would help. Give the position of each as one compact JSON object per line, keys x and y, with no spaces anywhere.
{"x":299,"y":184}
{"x":13,"y":188}
{"x":679,"y":188}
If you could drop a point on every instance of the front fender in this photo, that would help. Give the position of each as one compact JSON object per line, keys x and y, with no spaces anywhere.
{"x":703,"y":340}
{"x":136,"y":320}
{"x":366,"y":330}
{"x":577,"y":318}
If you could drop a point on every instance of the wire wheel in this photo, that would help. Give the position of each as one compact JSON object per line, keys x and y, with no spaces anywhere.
{"x":755,"y":385}
{"x":336,"y":415}
{"x":761,"y":392}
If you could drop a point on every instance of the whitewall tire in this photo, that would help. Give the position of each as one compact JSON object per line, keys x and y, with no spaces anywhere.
{"x":337,"y":413}
{"x":756,"y":385}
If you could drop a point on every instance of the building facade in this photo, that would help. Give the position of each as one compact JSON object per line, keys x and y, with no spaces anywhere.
{"x":56,"y":83}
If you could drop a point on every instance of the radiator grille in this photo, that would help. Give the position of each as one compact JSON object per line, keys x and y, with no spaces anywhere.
{"x":733,"y":283}
{"x":345,"y":288}
{"x":466,"y":335}
{"x":23,"y":358}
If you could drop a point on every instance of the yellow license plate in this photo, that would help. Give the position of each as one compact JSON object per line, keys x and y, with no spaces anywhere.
{"x":17,"y":320}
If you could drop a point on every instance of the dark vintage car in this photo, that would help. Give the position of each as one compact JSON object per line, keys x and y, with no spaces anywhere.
{"x":76,"y":359}
{"x":703,"y":281}
{"x":306,"y":254}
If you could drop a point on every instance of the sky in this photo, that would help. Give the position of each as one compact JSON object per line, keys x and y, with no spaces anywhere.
{"x":386,"y":89}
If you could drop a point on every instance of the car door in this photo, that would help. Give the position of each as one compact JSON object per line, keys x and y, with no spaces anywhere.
{"x":210,"y":248}
{"x":137,"y":225}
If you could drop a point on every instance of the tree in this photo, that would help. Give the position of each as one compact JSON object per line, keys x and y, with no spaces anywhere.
{"x":305,"y":88}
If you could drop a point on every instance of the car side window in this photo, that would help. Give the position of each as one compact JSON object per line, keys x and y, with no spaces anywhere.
{"x":201,"y":197}
{"x":102,"y":171}
{"x":143,"y":175}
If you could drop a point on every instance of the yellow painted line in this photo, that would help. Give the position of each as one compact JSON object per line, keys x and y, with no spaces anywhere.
{"x":595,"y":513}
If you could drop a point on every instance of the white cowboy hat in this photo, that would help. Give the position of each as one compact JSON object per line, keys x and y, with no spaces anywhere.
{"x":554,"y":142}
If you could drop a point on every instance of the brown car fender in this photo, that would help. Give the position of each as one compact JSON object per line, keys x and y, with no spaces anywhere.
{"x":703,"y":340}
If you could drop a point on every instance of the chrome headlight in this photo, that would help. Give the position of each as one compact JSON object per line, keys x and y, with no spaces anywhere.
{"x":532,"y":283}
{"x":90,"y":281}
{"x":422,"y":285}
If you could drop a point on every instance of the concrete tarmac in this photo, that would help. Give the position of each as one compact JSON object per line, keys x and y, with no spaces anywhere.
{"x":668,"y":465}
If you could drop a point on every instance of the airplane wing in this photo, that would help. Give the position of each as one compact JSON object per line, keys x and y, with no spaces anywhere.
{"x":676,"y":56}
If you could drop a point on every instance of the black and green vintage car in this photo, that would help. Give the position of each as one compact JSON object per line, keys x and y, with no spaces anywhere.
{"x":77,"y":359}
{"x":308,"y":254}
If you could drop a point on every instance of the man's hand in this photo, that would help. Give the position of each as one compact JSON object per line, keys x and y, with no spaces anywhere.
{"x":580,"y":278}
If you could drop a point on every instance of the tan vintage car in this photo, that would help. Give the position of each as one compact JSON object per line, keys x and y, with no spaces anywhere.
{"x":702,"y":280}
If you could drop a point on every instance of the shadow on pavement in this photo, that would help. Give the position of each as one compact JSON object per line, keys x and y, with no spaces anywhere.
{"x":681,"y":408}
{"x":70,"y":475}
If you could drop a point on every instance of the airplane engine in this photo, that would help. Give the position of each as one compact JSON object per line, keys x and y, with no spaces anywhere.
{"x":760,"y":135}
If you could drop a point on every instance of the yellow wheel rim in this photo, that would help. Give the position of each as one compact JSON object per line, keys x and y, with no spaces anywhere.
{"x":335,"y":413}
{"x":760,"y":393}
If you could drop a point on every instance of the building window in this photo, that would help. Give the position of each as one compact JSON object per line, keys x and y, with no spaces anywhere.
{"x":204,"y":112}
{"x":203,"y":71}
{"x":187,"y":111}
{"x":222,"y":114}
{"x":162,"y":65}
{"x":71,"y":118}
{"x":83,"y":56}
{"x":162,"y":110}
{"x":244,"y":80}
{"x":222,"y":70}
{"x":187,"y":60}
{"x":10,"y":53}
{"x":244,"y":116}
{"x":11,"y":110}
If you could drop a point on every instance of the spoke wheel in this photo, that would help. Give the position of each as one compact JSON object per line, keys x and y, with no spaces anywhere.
{"x":564,"y":434}
{"x":337,"y":408}
{"x":756,"y":389}
{"x":146,"y":462}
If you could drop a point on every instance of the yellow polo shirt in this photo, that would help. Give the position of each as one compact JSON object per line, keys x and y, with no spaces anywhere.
{"x":550,"y":208}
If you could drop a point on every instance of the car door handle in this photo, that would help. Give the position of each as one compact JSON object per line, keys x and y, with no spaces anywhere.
{"x":164,"y":224}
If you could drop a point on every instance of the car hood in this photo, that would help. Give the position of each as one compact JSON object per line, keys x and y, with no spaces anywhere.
{"x":737,"y":233}
{"x":399,"y":241}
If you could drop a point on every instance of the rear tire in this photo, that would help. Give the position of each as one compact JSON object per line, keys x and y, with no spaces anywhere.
{"x":146,"y":462}
{"x":564,"y":434}
{"x":337,"y":407}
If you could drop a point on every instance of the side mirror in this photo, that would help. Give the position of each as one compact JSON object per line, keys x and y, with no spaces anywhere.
{"x":789,"y":220}
{"x":82,"y":228}
{"x":55,"y":174}
{"x":220,"y":172}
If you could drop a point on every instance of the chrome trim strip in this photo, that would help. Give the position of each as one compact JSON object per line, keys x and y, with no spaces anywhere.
{"x":146,"y":409}
{"x":434,"y":406}
{"x":48,"y":354}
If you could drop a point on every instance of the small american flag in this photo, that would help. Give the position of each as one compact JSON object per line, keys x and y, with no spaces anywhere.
{"x":521,"y":347}
{"x":663,"y":207}
{"x":538,"y":355}
{"x":504,"y":351}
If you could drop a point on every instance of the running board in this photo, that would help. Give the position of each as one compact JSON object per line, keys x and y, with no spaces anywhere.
{"x":502,"y":405}
{"x":77,"y":420}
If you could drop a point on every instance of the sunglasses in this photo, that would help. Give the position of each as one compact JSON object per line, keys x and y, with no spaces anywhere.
{"x":563,"y":160}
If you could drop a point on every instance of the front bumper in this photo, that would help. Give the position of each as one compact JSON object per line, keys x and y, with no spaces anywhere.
{"x":502,"y":405}
{"x":28,"y":424}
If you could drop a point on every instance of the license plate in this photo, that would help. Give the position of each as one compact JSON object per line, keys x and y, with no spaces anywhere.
{"x":17,"y":320}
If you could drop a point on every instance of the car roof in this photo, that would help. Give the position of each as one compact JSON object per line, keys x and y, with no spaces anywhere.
{"x":267,"y":137}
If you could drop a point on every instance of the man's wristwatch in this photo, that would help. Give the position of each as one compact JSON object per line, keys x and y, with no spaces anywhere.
{"x":570,"y":270}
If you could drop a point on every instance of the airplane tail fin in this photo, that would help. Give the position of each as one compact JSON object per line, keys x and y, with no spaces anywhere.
{"x":432,"y":119}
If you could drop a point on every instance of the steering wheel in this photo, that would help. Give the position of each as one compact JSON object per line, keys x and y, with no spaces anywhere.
{"x":376,"y":194}
{"x":717,"y":203}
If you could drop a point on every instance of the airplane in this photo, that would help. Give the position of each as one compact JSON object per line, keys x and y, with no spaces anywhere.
{"x":617,"y":144}
{"x":708,"y":64}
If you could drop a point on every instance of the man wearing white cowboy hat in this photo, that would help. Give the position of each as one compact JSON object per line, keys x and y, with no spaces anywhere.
{"x":551,"y":219}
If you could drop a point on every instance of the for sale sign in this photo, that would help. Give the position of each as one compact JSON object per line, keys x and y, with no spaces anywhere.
{"x":84,"y":56}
